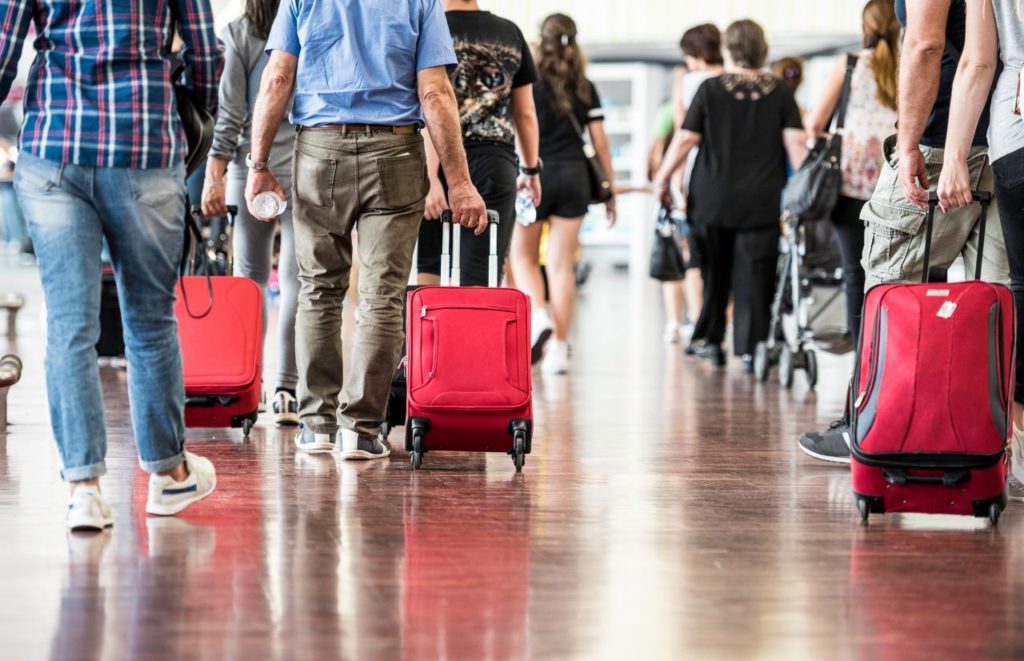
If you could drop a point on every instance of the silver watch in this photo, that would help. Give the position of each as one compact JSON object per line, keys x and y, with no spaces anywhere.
{"x":258,"y":166}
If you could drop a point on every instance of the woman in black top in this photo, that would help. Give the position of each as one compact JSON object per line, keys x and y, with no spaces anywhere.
{"x":746,"y":122}
{"x":563,"y":91}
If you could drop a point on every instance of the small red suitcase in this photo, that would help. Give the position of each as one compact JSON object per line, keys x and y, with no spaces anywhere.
{"x":469,"y":387}
{"x":220,"y":326}
{"x":933,"y":393}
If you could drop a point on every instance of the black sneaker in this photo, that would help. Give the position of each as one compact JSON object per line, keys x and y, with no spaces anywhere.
{"x":312,"y":442}
{"x":712,"y":353}
{"x":829,"y":445}
{"x":694,"y":347}
{"x":363,"y":446}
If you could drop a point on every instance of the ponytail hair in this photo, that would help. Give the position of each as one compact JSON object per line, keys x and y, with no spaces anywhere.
{"x":881,"y":35}
{"x":561,"y":64}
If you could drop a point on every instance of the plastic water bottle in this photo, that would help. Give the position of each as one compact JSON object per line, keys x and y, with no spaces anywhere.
{"x":268,"y":205}
{"x":526,"y":213}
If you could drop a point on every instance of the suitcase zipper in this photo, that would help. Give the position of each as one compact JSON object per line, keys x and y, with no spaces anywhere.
{"x":424,"y":309}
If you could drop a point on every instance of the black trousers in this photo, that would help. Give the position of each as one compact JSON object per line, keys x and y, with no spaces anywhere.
{"x":740,"y":263}
{"x":1009,"y":175}
{"x":494,"y":173}
{"x":850,"y":236}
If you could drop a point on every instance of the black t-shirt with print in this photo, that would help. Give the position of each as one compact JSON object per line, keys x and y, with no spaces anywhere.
{"x":494,"y":59}
{"x":559,"y":140}
{"x":741,"y":165}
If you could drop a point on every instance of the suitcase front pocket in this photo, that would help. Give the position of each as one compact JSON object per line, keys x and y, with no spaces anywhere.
{"x":469,"y":357}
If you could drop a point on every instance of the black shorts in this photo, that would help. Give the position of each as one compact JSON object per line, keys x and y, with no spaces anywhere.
{"x":493,"y":170}
{"x":565,"y":189}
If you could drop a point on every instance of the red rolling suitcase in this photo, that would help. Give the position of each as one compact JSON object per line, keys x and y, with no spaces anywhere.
{"x":933,"y":393}
{"x":220,"y":325}
{"x":469,"y":386}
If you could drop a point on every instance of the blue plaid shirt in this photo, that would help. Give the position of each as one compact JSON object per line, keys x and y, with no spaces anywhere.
{"x":99,"y":91}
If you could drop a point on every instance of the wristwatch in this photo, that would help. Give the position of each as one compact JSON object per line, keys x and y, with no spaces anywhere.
{"x":258,"y":166}
{"x":533,"y":172}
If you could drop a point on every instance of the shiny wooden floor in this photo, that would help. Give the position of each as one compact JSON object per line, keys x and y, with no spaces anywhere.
{"x":665,"y":513}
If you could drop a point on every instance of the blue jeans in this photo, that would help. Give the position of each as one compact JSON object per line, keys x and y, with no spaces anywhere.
{"x":10,"y":216}
{"x":70,"y":209}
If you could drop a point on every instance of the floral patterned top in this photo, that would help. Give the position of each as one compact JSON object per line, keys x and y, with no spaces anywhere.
{"x":868,"y":123}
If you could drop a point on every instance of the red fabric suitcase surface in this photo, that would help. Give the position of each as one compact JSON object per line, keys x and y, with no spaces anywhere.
{"x":221,"y":350}
{"x":469,"y":386}
{"x":933,"y":390}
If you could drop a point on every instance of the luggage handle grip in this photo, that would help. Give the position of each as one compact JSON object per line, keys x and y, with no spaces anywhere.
{"x":950,"y":479}
{"x":982,"y":197}
{"x":451,"y":251}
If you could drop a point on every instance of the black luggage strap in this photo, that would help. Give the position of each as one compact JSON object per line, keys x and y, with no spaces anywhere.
{"x":194,"y":260}
{"x":949,"y":479}
{"x":982,"y":197}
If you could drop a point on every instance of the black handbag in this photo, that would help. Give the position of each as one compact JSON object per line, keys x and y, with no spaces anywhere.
{"x":196,"y":120}
{"x":812,"y":191}
{"x":667,"y":262}
{"x":600,"y":187}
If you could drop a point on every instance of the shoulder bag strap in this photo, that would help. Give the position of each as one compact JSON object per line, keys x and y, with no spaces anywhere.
{"x":579,"y":130}
{"x":844,"y":99}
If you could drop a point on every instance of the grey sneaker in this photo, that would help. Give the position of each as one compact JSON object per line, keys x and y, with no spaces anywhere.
{"x":829,"y":445}
{"x":312,"y":442}
{"x":363,"y":446}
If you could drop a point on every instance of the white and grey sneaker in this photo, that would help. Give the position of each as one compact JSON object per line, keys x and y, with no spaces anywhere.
{"x":363,"y":446}
{"x":88,"y":511}
{"x":540,"y":333}
{"x":286,"y":409}
{"x":556,"y":359}
{"x":1017,"y":450}
{"x":311,"y":442}
{"x":168,"y":496}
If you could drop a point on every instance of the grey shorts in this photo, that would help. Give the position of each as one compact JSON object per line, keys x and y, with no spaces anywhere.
{"x":894,"y":230}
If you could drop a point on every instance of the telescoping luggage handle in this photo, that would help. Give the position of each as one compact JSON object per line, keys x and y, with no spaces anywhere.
{"x":452,"y":252}
{"x":982,"y":197}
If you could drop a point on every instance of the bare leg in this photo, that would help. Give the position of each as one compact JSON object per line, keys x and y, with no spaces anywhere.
{"x":563,"y":240}
{"x":525,"y":262}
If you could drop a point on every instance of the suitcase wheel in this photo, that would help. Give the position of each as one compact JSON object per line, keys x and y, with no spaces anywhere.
{"x":811,"y":365}
{"x":417,"y":429}
{"x":246,"y":427}
{"x":786,"y":367}
{"x":865,"y":509}
{"x":518,"y":450}
{"x":993,"y":513}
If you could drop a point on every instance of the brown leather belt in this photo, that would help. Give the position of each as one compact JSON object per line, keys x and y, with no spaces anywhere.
{"x":366,"y":128}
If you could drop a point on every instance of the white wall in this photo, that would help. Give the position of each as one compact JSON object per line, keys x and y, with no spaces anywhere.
{"x":614,"y":21}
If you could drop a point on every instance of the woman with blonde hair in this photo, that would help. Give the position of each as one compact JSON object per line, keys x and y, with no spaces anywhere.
{"x":566,"y":102}
{"x":870,"y":118}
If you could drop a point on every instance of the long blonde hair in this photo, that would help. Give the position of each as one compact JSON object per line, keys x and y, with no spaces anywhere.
{"x":881,"y":35}
{"x":561,"y":64}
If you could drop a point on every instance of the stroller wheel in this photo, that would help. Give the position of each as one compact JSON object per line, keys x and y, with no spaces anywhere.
{"x":762,"y":362}
{"x":786,"y":367}
{"x":811,"y":365}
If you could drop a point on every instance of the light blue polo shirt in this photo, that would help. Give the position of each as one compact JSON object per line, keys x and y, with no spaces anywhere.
{"x":358,"y":59}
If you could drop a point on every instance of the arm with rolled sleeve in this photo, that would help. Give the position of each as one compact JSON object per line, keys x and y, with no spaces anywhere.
{"x":202,"y":53}
{"x":15,"y":20}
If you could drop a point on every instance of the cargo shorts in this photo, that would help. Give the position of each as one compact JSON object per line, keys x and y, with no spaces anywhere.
{"x":894,"y":232}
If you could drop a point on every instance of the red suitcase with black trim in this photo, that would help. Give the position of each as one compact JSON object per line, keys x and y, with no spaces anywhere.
{"x":220,"y":326}
{"x":469,"y":386}
{"x":933,"y":392}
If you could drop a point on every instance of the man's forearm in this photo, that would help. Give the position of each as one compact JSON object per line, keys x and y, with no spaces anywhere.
{"x":919,"y":85}
{"x":271,"y":105}
{"x":442,"y":117}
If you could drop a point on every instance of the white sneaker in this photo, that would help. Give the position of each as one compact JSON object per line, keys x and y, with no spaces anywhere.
{"x":672,"y":333}
{"x":540,"y":333}
{"x":363,"y":446}
{"x":556,"y":359}
{"x":88,"y":511}
{"x":311,"y":442}
{"x":168,"y":496}
{"x":286,"y":409}
{"x":1017,"y":452}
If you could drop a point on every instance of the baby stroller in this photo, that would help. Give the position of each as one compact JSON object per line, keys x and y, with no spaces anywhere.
{"x":807,"y":310}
